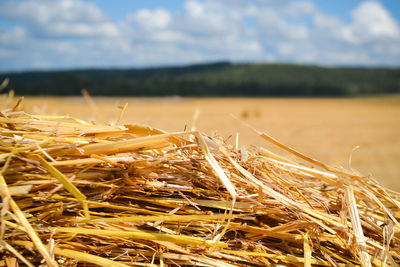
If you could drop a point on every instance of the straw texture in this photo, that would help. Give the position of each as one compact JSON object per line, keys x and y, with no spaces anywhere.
{"x":74,"y":192}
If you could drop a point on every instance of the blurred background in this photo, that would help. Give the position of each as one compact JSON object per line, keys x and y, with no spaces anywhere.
{"x":320,"y":76}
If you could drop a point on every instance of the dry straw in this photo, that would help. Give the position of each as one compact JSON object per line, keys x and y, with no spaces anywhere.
{"x":75,"y":192}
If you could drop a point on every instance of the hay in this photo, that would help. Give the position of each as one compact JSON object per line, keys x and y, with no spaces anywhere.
{"x":75,"y":192}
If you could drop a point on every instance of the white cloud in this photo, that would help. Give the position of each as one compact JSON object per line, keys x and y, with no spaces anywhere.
{"x":60,"y":18}
{"x":208,"y":19}
{"x":194,"y":8}
{"x":371,"y":21}
{"x":370,"y":37}
{"x":151,"y":19}
{"x":12,"y":38}
{"x":300,"y":8}
{"x":76,"y":33}
{"x":204,"y":30}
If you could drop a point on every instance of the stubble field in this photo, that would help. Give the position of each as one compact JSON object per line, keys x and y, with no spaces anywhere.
{"x":326,"y":129}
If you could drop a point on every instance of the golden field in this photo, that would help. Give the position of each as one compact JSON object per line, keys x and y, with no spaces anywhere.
{"x":326,"y":129}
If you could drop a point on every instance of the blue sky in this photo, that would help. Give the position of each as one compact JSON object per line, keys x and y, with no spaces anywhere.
{"x":65,"y":34}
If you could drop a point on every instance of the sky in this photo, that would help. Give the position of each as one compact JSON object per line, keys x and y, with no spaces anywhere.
{"x":68,"y":34}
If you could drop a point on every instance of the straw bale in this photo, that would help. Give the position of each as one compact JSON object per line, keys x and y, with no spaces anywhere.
{"x":76,"y":193}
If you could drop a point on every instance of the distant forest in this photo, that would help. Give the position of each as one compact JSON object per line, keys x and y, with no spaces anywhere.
{"x":217,"y":79}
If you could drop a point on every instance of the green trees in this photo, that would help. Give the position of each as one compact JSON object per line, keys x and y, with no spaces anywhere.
{"x":218,"y":79}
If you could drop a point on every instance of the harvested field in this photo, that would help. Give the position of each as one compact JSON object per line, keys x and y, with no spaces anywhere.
{"x":74,"y":192}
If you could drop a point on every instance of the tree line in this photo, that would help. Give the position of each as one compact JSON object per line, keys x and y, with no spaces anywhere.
{"x":216,"y":79}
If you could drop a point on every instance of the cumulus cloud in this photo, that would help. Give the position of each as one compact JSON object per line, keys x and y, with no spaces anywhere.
{"x":300,"y":8}
{"x":59,"y":18}
{"x":151,"y":19}
{"x":371,"y":37}
{"x":371,"y":21}
{"x":76,"y":33}
{"x":200,"y":32}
